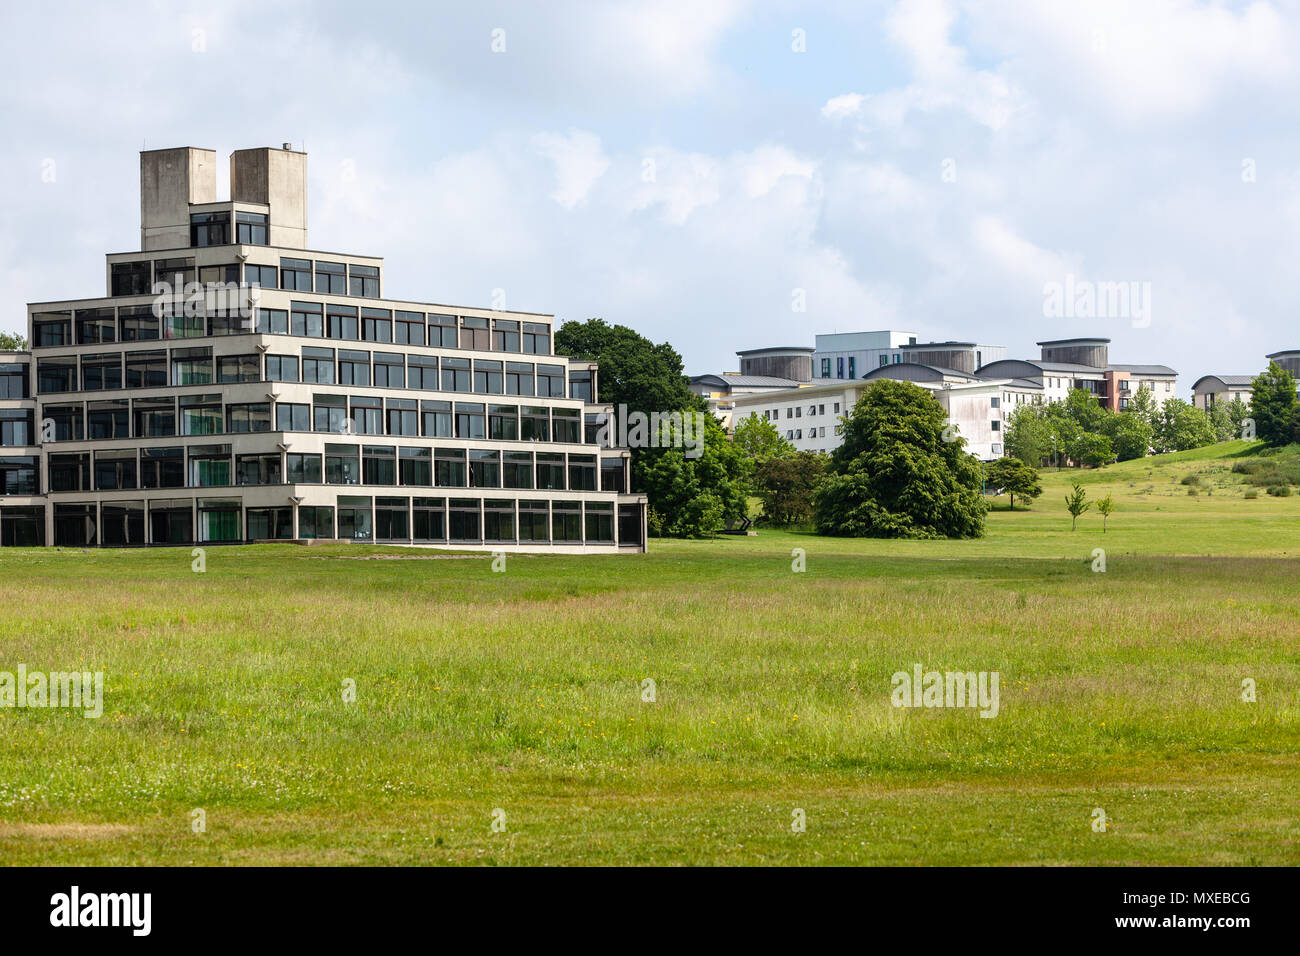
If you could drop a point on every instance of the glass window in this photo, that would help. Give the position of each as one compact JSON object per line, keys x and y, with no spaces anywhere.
{"x":130,"y":278}
{"x":503,"y":422}
{"x":318,"y":365}
{"x":409,"y":328}
{"x":498,"y":520}
{"x":56,"y":375}
{"x":281,"y":368}
{"x":251,"y":229}
{"x":442,"y":331}
{"x":354,"y":367}
{"x":146,"y":369}
{"x":505,"y":335}
{"x":248,"y":417}
{"x":96,"y":326}
{"x":613,"y":475}
{"x":566,"y":425}
{"x":154,"y":417}
{"x":355,"y":518}
{"x":21,"y":475}
{"x":487,"y":377}
{"x":403,"y":417}
{"x":534,"y":423}
{"x":376,"y":325}
{"x":200,"y":414}
{"x":315,"y":522}
{"x":367,"y":416}
{"x":70,"y":472}
{"x":99,"y":372}
{"x":435,"y":419}
{"x":270,"y":523}
{"x":391,"y":519}
{"x":238,"y":368}
{"x":449,"y":467}
{"x":537,"y":338}
{"x":69,"y":421}
{"x":330,"y":414}
{"x":389,"y":370}
{"x":456,"y":375}
{"x":295,"y":274}
{"x":582,"y":473}
{"x":534,"y":521}
{"x":342,"y":465}
{"x":209,"y":229}
{"x":261,"y":469}
{"x":331,"y":278}
{"x":75,"y":526}
{"x":305,"y":319}
{"x":415,"y":466}
{"x":474,"y":333}
{"x":550,"y":472}
{"x":290,"y":417}
{"x":519,"y":378}
{"x":191,"y":366}
{"x":470,"y":421}
{"x":463,"y":523}
{"x":550,"y":380}
{"x":139,"y":323}
{"x":265,"y":277}
{"x":422,"y":372}
{"x":171,"y":521}
{"x":108,"y":420}
{"x":517,"y":469}
{"x":599,"y":522}
{"x":566,"y":522}
{"x":51,"y":328}
{"x":209,"y":466}
{"x":303,"y":469}
{"x":162,"y":468}
{"x":364,"y":281}
{"x":378,"y":465}
{"x":428,"y":519}
{"x":484,"y":469}
{"x":220,"y":519}
{"x":341,"y":322}
{"x":173,"y":274}
{"x":580,"y":385}
{"x":16,"y":427}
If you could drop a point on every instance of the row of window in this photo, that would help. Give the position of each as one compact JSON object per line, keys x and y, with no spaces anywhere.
{"x":140,"y":323}
{"x":108,"y":371}
{"x":796,"y":411}
{"x":213,"y":466}
{"x":144,"y":276}
{"x":213,"y":228}
{"x":357,"y":517}
{"x":205,"y":414}
{"x":819,"y":432}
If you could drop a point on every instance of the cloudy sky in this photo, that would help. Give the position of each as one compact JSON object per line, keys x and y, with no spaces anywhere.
{"x":698,"y":170}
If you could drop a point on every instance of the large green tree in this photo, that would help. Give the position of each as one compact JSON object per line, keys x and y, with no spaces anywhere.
{"x":1028,"y":435}
{"x":895,"y":475}
{"x":695,"y":497}
{"x":12,"y":342}
{"x":759,"y":439}
{"x":1182,"y":427}
{"x":1130,"y":434}
{"x":1273,"y":405}
{"x":633,"y":370}
{"x":786,"y":484}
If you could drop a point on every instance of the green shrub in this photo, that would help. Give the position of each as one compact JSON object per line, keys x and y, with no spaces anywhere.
{"x":1191,"y":491}
{"x":1280,"y":491}
{"x":1246,"y":467}
{"x":1251,"y":494}
{"x":1191,"y":479}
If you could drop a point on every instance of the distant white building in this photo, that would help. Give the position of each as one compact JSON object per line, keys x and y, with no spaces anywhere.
{"x":1211,"y":390}
{"x":810,"y":417}
{"x":854,"y":354}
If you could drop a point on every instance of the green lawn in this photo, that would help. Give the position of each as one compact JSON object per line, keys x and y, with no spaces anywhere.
{"x":523,"y":691}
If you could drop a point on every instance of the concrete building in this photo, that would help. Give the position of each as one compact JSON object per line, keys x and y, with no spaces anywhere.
{"x":1084,"y":363}
{"x":1211,"y":390}
{"x":854,"y":354}
{"x":1288,"y":359}
{"x":235,"y":385}
{"x":810,"y":417}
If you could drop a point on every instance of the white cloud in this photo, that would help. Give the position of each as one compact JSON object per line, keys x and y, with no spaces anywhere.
{"x":579,"y":162}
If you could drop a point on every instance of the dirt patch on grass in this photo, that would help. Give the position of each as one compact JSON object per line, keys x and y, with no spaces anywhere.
{"x":63,"y":831}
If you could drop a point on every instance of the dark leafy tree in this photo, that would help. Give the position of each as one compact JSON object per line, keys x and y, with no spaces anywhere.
{"x":1014,"y":477}
{"x":1273,"y":405}
{"x":785,"y":484}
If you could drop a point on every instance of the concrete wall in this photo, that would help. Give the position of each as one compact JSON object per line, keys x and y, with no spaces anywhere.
{"x":170,"y":180}
{"x":278,"y":178}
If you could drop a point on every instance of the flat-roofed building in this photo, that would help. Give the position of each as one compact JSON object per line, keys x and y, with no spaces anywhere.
{"x":234,"y":384}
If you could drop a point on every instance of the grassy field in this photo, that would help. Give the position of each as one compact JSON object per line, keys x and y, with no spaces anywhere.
{"x":522,"y":692}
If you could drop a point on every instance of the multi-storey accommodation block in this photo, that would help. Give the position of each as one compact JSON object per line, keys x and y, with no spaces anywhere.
{"x":234,"y":385}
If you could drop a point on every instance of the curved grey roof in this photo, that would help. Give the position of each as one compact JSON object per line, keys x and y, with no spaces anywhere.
{"x":1144,"y":369}
{"x":1231,"y":381}
{"x":917,"y":371}
{"x":744,"y":381}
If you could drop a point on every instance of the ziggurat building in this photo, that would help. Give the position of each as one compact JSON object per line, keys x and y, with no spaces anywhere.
{"x":235,"y":386}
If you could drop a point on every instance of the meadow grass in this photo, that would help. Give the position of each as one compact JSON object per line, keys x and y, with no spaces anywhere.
{"x":522,"y":691}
